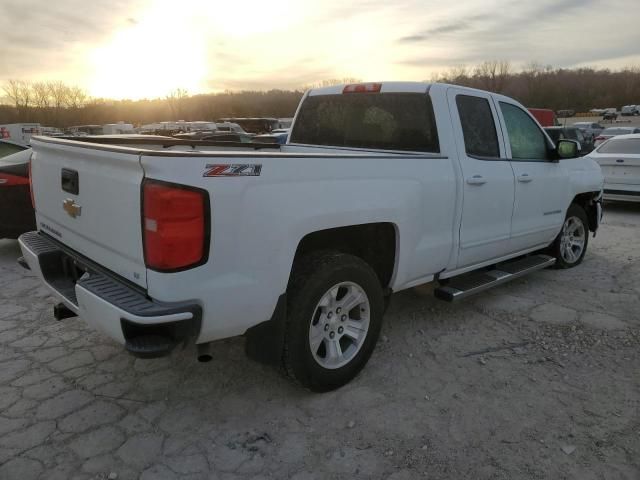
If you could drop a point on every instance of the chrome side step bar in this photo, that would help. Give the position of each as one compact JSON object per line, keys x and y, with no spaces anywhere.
{"x":466,"y":285}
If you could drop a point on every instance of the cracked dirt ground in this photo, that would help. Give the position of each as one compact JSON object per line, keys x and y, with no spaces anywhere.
{"x":536,"y":379}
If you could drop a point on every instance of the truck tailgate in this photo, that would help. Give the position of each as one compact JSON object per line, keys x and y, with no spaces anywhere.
{"x":88,"y":198}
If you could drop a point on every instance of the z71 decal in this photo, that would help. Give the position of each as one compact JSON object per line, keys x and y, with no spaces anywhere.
{"x":234,"y":170}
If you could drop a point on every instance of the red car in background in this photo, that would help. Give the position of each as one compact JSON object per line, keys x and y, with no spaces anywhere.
{"x":16,"y":212}
{"x":545,"y":117}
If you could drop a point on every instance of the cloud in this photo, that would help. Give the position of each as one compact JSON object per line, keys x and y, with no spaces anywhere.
{"x":368,"y":39}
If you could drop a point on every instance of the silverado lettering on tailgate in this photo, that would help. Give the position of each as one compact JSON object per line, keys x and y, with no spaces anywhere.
{"x":232,"y":170}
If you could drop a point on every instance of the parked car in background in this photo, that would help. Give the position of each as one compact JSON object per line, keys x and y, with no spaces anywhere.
{"x":565,"y":113}
{"x":16,"y":211}
{"x":570,"y":133}
{"x":629,"y":110}
{"x":619,"y":159}
{"x":607,"y":133}
{"x":590,"y":130}
{"x":230,"y":127}
{"x":253,"y":125}
{"x":279,"y":136}
{"x":545,"y":117}
{"x":82,"y":130}
{"x":609,"y":114}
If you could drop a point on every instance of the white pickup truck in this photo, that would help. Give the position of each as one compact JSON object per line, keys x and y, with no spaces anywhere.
{"x":381,"y":187}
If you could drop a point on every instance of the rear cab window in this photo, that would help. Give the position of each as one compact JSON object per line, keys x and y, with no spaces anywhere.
{"x":621,"y":146}
{"x":386,"y":121}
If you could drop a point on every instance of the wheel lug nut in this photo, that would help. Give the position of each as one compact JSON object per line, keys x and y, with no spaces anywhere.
{"x":340,"y":330}
{"x":326,"y":327}
{"x":330,"y":314}
{"x":332,"y":334}
{"x":343,"y":318}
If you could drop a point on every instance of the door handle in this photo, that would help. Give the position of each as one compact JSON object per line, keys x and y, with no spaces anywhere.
{"x":620,"y":160}
{"x":476,"y":180}
{"x":524,"y":178}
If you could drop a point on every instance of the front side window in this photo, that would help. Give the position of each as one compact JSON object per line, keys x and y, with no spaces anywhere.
{"x":478,"y":127}
{"x":388,"y":121}
{"x":526,"y":139}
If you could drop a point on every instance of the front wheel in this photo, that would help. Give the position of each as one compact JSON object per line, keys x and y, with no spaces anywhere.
{"x":570,"y":246}
{"x":335,"y":308}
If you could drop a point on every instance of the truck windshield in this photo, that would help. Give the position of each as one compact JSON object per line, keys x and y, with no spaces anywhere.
{"x":389,"y":121}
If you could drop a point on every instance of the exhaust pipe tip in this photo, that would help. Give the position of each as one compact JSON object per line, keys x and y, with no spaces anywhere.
{"x":204,"y":352}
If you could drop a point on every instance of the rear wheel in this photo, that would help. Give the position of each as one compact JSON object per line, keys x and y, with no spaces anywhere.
{"x":335,"y":308}
{"x":570,"y":246}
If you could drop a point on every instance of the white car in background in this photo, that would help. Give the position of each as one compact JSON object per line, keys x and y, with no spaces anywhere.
{"x":619,"y":158}
{"x":607,"y":133}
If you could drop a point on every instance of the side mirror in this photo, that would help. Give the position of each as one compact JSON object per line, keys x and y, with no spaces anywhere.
{"x":567,"y":148}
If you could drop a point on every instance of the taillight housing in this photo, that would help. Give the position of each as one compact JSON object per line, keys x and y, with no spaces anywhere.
{"x":175,"y":226}
{"x":601,"y":138}
{"x":8,"y":180}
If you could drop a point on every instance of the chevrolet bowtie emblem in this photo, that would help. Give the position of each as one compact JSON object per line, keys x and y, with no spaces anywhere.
{"x":72,"y":208}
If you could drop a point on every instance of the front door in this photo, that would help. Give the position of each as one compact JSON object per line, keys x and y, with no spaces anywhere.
{"x":541,"y":183}
{"x":488,"y":182}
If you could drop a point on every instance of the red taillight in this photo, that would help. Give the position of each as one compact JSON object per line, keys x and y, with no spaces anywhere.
{"x":362,"y":88}
{"x":600,"y":138}
{"x":7,"y":180}
{"x":175,"y":227}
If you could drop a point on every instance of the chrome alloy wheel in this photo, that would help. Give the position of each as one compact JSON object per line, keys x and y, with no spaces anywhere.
{"x":572,"y":239}
{"x":339,"y":325}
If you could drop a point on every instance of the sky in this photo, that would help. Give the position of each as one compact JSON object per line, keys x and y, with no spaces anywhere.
{"x":146,"y":48}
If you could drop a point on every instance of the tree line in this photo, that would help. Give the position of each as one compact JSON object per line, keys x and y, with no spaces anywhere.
{"x":61,"y":105}
{"x":542,"y":86}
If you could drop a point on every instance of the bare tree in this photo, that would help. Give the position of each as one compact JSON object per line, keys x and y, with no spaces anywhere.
{"x":175,"y":100}
{"x":493,"y":74}
{"x":76,"y":97}
{"x":41,"y":94}
{"x":13,"y":91}
{"x":58,"y":92}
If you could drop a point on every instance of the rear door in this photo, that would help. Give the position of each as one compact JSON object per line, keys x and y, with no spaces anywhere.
{"x":541,"y":184}
{"x":88,"y":198}
{"x":488,"y":182}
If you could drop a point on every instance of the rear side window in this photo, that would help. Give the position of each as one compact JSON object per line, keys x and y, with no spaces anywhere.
{"x":621,"y":146}
{"x":615,"y":131}
{"x":388,"y":121}
{"x":478,"y":127}
{"x":526,"y":139}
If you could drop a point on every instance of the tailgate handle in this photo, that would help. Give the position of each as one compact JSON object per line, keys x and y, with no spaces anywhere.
{"x":620,"y":160}
{"x":69,"y":181}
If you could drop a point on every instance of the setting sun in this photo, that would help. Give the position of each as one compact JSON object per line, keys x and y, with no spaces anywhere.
{"x":163,"y":49}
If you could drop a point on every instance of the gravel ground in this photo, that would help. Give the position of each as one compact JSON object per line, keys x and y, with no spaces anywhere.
{"x":536,"y":379}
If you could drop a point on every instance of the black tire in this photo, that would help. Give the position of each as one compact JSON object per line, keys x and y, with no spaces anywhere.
{"x":313,"y":277}
{"x":577,"y":213}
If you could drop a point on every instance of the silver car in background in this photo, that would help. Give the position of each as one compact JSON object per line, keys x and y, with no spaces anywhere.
{"x":607,"y":133}
{"x":619,"y":158}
